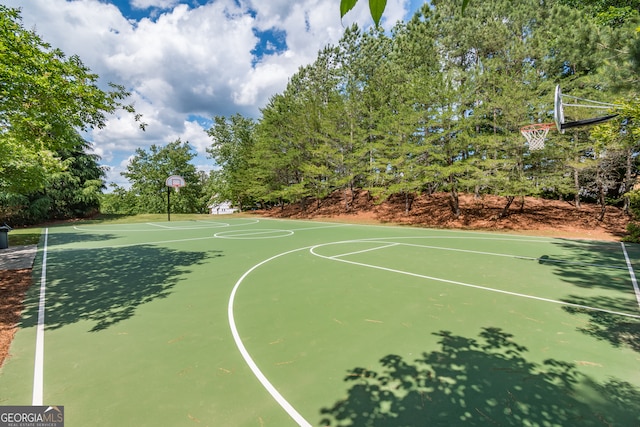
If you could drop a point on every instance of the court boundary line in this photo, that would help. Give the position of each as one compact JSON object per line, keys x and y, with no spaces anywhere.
{"x":250,"y":234}
{"x":524,"y":257}
{"x":159,"y":227}
{"x":469,"y":285}
{"x":632,"y":274}
{"x":504,"y":235}
{"x":279,"y":398}
{"x":38,"y":366}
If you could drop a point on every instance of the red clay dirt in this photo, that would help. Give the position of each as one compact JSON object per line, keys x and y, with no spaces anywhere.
{"x":13,"y":285}
{"x":539,"y":217}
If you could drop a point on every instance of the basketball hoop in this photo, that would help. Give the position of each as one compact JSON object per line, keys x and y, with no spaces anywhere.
{"x":175,"y":181}
{"x":536,"y":134}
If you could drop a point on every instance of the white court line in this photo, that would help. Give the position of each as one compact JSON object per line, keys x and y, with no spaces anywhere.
{"x":484,"y":288}
{"x":295,"y":415}
{"x":38,"y":369}
{"x":133,"y":244}
{"x":366,"y":250}
{"x":323,"y":227}
{"x":254,"y":234}
{"x":210,"y":225}
{"x":215,"y":236}
{"x":631,"y":273}
{"x":247,"y":357}
{"x":550,"y":260}
{"x":160,"y":225}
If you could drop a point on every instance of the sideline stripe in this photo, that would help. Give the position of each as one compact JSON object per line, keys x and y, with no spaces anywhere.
{"x":484,"y":288}
{"x":631,"y":273}
{"x":38,"y":369}
{"x":247,"y":357}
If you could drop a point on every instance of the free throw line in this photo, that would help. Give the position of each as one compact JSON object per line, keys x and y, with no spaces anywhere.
{"x":38,"y":369}
{"x":468,"y":285}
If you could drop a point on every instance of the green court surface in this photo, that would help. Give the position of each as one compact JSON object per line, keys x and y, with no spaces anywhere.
{"x":242,"y":321}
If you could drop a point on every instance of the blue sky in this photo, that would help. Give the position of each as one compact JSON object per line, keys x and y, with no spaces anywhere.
{"x":186,"y":61}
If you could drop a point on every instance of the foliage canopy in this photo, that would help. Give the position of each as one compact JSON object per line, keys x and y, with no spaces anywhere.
{"x":437,"y":104}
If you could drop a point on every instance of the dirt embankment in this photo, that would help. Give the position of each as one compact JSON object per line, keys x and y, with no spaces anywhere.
{"x":527,"y":216}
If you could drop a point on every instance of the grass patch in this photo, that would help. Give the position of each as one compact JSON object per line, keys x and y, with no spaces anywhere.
{"x":24,"y":236}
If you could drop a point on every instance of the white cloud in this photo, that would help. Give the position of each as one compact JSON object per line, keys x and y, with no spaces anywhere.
{"x":146,"y":4}
{"x":187,"y":61}
{"x":196,"y":135}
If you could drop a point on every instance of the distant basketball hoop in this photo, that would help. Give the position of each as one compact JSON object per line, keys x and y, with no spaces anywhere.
{"x":536,"y":134}
{"x":175,"y":182}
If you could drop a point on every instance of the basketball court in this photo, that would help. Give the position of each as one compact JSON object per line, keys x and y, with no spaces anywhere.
{"x":246,"y":321}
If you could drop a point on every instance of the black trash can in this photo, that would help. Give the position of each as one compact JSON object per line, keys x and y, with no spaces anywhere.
{"x":4,"y":236}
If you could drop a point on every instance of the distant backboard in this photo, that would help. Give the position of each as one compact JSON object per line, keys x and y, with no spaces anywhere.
{"x":175,"y":181}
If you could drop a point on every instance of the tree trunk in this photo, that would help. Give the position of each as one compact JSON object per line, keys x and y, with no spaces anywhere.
{"x":505,"y":210}
{"x":601,"y":193}
{"x":346,"y":199}
{"x":601,"y":199}
{"x":627,"y":182}
{"x":353,"y":193}
{"x":576,"y":183}
{"x":603,"y":211}
{"x":408,"y":202}
{"x":454,"y":202}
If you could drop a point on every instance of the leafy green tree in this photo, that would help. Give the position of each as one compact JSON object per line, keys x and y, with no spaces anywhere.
{"x":73,"y":192}
{"x":148,"y":171}
{"x":231,"y":149}
{"x":346,"y":118}
{"x":279,"y":155}
{"x":622,"y":136}
{"x":119,"y":201}
{"x":45,"y":98}
{"x":437,"y":104}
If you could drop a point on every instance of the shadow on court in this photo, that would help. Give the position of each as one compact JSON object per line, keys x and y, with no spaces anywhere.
{"x":59,"y":239}
{"x":484,"y":381}
{"x":107,"y":285}
{"x":589,"y":266}
{"x":617,"y":330}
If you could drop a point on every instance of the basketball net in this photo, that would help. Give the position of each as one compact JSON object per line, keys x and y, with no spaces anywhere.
{"x":536,"y":134}
{"x":176,"y":187}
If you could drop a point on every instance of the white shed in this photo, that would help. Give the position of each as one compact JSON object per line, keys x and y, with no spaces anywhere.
{"x":221,"y":208}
